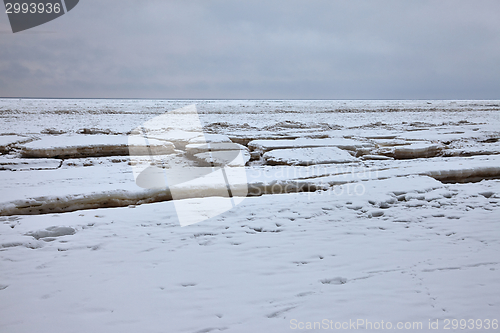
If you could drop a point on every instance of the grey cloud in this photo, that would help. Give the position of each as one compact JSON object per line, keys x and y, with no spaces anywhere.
{"x":259,"y":49}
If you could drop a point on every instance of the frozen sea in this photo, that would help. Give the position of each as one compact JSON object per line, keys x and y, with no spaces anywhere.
{"x":273,"y":216}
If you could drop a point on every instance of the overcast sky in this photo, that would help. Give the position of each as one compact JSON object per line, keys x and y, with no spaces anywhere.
{"x":288,"y":49}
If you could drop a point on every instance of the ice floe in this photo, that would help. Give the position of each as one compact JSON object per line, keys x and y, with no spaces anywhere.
{"x":65,"y":146}
{"x":308,"y":156}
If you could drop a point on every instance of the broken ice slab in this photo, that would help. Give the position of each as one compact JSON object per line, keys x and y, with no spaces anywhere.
{"x":308,"y":156}
{"x":414,"y":150}
{"x":347,"y":144}
{"x":78,"y":146}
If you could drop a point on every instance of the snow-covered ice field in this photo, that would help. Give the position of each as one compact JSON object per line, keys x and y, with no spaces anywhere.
{"x":366,"y":213}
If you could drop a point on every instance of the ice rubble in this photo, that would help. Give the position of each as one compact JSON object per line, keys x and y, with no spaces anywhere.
{"x":376,"y":149}
{"x":308,"y":156}
{"x":374,"y":144}
{"x":78,"y":146}
{"x":112,"y":185}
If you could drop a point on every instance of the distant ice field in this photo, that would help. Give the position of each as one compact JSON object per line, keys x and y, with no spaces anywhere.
{"x":34,"y":116}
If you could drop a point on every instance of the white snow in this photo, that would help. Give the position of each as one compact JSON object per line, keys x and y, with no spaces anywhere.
{"x":407,"y":231}
{"x":272,"y":259}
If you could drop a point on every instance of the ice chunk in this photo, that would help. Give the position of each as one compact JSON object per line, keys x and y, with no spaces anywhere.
{"x":455,"y":174}
{"x":417,"y":150}
{"x":52,"y":232}
{"x":52,"y":131}
{"x":375,"y":213}
{"x":336,"y":280}
{"x":414,"y":150}
{"x":308,"y":156}
{"x":91,"y":131}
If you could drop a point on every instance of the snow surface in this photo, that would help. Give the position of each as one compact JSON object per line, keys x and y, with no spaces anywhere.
{"x":257,"y":267}
{"x":406,"y":230}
